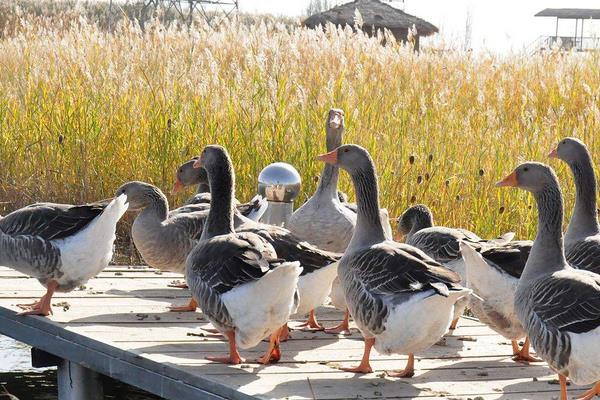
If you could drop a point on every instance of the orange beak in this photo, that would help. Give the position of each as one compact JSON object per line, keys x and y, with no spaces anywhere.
{"x":553,"y":154}
{"x":177,"y":186}
{"x":197,"y":164}
{"x":329,"y":158}
{"x":510,"y":180}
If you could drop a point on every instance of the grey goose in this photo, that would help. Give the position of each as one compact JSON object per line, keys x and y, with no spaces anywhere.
{"x":582,"y":239}
{"x":245,"y":291}
{"x":442,"y":244}
{"x":401,"y":299}
{"x":558,"y":305}
{"x":61,"y":245}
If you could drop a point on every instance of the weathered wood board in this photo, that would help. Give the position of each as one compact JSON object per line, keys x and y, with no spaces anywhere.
{"x":118,"y":325}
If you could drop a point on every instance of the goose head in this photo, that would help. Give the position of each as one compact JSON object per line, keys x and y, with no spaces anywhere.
{"x":419,"y":215}
{"x":213,"y":158}
{"x":570,"y":150}
{"x":334,"y":127}
{"x":140,"y":195}
{"x":531,"y":176}
{"x":350,"y":157}
{"x":187,"y":175}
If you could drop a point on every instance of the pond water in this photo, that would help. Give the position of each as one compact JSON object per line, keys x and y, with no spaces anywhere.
{"x":20,"y":379}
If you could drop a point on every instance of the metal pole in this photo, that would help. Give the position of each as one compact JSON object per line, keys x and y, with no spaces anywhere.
{"x":280,"y":184}
{"x":575,"y":37}
{"x":582,"y":20}
{"x":76,"y":382}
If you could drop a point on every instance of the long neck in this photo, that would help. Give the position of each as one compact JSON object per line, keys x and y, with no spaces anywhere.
{"x":369,"y":229}
{"x":220,"y":217}
{"x":157,"y":208}
{"x":420,"y":221}
{"x":203,"y":187}
{"x":329,"y":177}
{"x":584,"y":221}
{"x":547,"y":254}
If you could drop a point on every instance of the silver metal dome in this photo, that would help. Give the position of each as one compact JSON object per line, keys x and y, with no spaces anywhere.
{"x":279,"y":182}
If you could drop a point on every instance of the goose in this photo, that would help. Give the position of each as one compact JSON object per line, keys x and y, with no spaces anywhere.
{"x":442,"y":244}
{"x":61,"y":245}
{"x":558,"y":305}
{"x":326,"y":221}
{"x":164,"y":238}
{"x":319,"y":267}
{"x":493,"y":274}
{"x":387,"y":283}
{"x":236,"y":278}
{"x":187,"y":175}
{"x":582,"y":239}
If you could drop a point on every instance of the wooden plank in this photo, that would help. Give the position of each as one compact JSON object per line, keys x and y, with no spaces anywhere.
{"x":119,"y":324}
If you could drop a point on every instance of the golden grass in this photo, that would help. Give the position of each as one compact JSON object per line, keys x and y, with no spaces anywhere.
{"x":82,"y":111}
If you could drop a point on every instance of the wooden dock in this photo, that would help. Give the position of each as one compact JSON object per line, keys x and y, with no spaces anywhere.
{"x":118,"y":325}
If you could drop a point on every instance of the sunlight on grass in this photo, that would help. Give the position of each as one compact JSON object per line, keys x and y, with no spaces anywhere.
{"x":82,"y":111}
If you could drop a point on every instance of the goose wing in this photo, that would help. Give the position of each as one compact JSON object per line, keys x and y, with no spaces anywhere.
{"x":387,"y":273}
{"x":290,"y":248}
{"x":390,"y":268}
{"x":509,"y":258}
{"x":567,"y":301}
{"x":442,"y":244}
{"x":585,"y":254}
{"x":225,"y":262}
{"x":221,"y":264}
{"x":50,"y":221}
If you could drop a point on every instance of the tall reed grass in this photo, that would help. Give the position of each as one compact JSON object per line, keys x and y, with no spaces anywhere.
{"x":83,"y":110}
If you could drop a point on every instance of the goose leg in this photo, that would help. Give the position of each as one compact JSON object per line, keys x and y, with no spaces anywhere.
{"x":273,"y":353}
{"x":365,"y":366}
{"x":407,"y":372}
{"x":523,"y":355}
{"x":234,"y":356}
{"x":312,"y":322}
{"x":44,"y":306}
{"x":343,"y":328}
{"x":563,"y":387}
{"x":593,"y":392}
{"x":515,"y":347}
{"x":284,"y":333}
{"x":453,"y":324}
{"x":190,"y":307}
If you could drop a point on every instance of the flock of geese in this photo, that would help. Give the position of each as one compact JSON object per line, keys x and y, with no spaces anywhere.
{"x":249,"y":278}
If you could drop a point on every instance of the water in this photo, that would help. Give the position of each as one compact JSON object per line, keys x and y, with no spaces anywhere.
{"x":27,"y":383}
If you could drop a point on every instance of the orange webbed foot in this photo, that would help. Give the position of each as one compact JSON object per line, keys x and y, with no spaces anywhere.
{"x":190,"y":307}
{"x":178,"y":285}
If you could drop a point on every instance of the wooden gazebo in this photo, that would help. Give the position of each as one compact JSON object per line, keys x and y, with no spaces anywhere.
{"x":568,"y":42}
{"x":376,"y":15}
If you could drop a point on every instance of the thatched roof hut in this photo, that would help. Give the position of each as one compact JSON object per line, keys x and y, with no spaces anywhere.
{"x":376,"y":15}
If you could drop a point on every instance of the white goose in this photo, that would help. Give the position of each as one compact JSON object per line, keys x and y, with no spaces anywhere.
{"x":387,"y":283}
{"x":327,"y":222}
{"x":493,"y":274}
{"x":236,"y":278}
{"x":61,"y":245}
{"x":442,"y":244}
{"x":582,"y":239}
{"x":558,"y":305}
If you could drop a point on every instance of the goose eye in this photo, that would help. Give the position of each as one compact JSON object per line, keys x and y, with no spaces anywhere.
{"x":345,"y":150}
{"x":526,"y":169}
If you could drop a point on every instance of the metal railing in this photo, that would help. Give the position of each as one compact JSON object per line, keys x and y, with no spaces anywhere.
{"x":566,"y":43}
